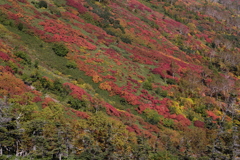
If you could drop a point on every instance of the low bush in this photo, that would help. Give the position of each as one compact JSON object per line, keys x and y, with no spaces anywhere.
{"x":24,"y":56}
{"x":60,"y":49}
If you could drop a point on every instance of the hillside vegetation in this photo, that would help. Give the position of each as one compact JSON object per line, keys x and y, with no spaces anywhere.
{"x":120,"y":79}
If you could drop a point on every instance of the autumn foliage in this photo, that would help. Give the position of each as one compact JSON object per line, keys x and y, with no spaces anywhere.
{"x":126,"y":79}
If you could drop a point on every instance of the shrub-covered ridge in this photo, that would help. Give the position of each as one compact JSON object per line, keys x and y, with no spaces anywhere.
{"x":136,"y":79}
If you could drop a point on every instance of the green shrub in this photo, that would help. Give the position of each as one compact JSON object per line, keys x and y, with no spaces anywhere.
{"x":161,"y":93}
{"x":4,"y":19}
{"x":150,"y":23}
{"x":54,"y":10}
{"x":76,"y":103}
{"x":152,"y":116}
{"x":42,"y":4}
{"x":110,"y":32}
{"x":126,"y":40}
{"x":168,"y":122}
{"x":23,"y":56}
{"x":34,"y":76}
{"x":200,"y":109}
{"x":71,"y":64}
{"x":209,"y":123}
{"x":60,"y":49}
{"x":162,"y":155}
{"x":190,"y":115}
{"x":36,"y":63}
{"x":59,"y":3}
{"x":45,"y":84}
{"x":88,"y":17}
{"x":20,"y":26}
{"x":13,"y":66}
{"x":200,"y":28}
{"x":123,"y":102}
{"x":147,"y":85}
{"x":172,"y":110}
{"x":171,"y":81}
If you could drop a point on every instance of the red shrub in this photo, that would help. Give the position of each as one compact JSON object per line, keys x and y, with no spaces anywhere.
{"x":37,"y":99}
{"x":183,"y":120}
{"x":211,"y":114}
{"x":199,"y":124}
{"x":112,"y":111}
{"x":134,"y":128}
{"x":9,"y":69}
{"x":7,"y":6}
{"x":46,"y":102}
{"x":142,"y":107}
{"x":152,"y":128}
{"x":23,"y":1}
{"x":81,"y":9}
{"x":72,"y":16}
{"x":81,"y":114}
{"x":4,"y":56}
{"x":13,"y":16}
{"x":77,"y":92}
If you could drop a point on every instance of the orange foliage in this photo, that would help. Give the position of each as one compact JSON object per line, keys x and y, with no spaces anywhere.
{"x":105,"y":86}
{"x":96,"y":78}
{"x":10,"y":85}
{"x":211,"y":114}
{"x":46,"y":102}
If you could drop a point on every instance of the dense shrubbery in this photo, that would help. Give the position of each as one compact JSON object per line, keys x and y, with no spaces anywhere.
{"x":161,"y":92}
{"x":77,"y":104}
{"x":71,"y":64}
{"x":42,"y":4}
{"x":24,"y":56}
{"x":151,"y":85}
{"x":126,"y":40}
{"x":147,"y":85}
{"x":4,"y":20}
{"x":60,"y":49}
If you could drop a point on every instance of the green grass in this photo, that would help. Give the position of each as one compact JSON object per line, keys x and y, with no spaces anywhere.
{"x":4,"y":2}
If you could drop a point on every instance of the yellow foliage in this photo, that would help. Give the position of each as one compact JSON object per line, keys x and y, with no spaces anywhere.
{"x":86,"y":86}
{"x":120,"y":110}
{"x":218,"y":112}
{"x":194,"y":119}
{"x":192,"y":26}
{"x":74,"y":82}
{"x":178,"y":109}
{"x":188,"y":102}
{"x":105,"y":127}
{"x":3,"y":28}
{"x":236,"y":122}
{"x":82,"y":49}
{"x":98,"y":3}
{"x":117,"y":31}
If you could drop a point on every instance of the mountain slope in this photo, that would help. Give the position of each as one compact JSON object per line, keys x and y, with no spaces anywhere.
{"x":134,"y":79}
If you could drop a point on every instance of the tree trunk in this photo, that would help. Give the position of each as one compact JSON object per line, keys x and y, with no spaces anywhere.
{"x":34,"y":148}
{"x":17,"y":148}
{"x":60,"y":156}
{"x":1,"y":150}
